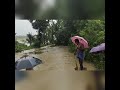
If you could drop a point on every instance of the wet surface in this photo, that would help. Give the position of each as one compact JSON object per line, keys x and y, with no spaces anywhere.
{"x":20,"y":75}
{"x":57,"y":72}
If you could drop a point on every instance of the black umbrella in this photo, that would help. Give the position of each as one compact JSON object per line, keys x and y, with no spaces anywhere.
{"x":27,"y":62}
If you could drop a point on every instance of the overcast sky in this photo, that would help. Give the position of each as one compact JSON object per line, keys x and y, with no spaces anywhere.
{"x":23,"y":27}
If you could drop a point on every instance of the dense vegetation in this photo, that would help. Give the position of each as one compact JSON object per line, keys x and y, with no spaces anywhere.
{"x":20,"y":47}
{"x":94,"y":32}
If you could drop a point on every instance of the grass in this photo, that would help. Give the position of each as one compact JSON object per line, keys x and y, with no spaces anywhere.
{"x":21,"y":47}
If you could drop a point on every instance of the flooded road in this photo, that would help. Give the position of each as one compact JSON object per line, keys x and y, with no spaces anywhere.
{"x":57,"y":72}
{"x":58,"y":58}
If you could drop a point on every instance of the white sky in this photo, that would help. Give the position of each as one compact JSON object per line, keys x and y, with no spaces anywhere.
{"x":23,"y":27}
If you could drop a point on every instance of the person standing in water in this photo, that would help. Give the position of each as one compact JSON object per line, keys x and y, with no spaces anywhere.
{"x":80,"y":53}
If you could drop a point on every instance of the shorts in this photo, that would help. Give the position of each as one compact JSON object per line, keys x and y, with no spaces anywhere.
{"x":80,"y":55}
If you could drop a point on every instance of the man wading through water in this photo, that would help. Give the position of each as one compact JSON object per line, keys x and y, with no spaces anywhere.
{"x":80,"y":53}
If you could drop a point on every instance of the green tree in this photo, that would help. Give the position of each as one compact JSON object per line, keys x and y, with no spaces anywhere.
{"x":30,"y":38}
{"x":41,"y":26}
{"x":66,"y":30}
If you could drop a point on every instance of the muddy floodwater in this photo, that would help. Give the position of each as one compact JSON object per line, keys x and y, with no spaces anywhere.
{"x":55,"y":73}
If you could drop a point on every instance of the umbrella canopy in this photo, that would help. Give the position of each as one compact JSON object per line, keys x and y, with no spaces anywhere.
{"x":98,"y":48}
{"x":28,"y":62}
{"x":81,"y":40}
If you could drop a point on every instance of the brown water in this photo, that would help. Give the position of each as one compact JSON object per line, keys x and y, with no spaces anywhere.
{"x":56,"y":58}
{"x":57,"y":72}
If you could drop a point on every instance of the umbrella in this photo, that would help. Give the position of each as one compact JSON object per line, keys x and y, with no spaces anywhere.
{"x":98,"y":48}
{"x":81,"y":40}
{"x":28,"y":62}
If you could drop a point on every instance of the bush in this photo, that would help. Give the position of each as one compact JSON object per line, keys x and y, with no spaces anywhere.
{"x":21,"y":47}
{"x":71,"y":47}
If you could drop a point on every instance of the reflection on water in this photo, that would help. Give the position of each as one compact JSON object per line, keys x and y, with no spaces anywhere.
{"x":20,"y":75}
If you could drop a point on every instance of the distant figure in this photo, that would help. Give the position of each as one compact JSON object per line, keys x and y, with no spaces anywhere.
{"x":80,"y":53}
